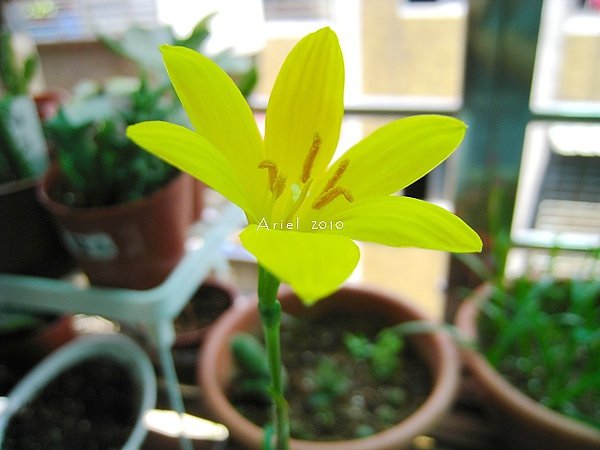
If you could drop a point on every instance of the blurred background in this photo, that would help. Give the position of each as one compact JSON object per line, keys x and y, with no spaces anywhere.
{"x":523,"y":75}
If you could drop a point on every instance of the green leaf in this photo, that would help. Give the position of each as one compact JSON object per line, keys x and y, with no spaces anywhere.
{"x":198,"y":35}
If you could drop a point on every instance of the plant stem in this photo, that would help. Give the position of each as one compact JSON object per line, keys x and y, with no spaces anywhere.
{"x":270,"y":314}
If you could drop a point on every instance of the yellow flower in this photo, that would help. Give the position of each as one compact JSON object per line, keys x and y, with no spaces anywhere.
{"x":304,"y":212}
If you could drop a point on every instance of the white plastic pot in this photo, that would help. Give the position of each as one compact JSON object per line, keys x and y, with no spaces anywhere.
{"x":119,"y":348}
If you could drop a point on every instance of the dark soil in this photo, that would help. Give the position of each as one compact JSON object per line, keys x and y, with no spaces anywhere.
{"x":91,"y":406}
{"x":207,"y":304}
{"x":367,"y":405}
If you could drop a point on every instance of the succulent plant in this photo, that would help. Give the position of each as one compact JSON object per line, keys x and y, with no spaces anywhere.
{"x":99,"y":165}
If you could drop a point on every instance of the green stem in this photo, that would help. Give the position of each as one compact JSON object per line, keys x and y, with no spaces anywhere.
{"x":270,"y":314}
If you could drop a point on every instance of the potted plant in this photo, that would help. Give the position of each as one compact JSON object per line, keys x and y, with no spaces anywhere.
{"x":345,"y":357}
{"x":139,"y":45}
{"x":92,"y":393}
{"x":34,"y":249}
{"x":108,"y":196}
{"x":538,"y":359}
{"x":102,"y":179}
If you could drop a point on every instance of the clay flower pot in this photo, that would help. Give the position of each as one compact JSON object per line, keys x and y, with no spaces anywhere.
{"x":132,"y":245}
{"x":212,"y":299}
{"x":523,"y":422}
{"x":437,"y":350}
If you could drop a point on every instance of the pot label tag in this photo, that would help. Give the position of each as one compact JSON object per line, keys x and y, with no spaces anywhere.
{"x":97,"y":246}
{"x":22,"y":132}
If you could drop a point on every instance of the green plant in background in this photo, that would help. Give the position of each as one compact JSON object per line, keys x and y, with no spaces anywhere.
{"x":139,"y":45}
{"x":330,"y":383}
{"x":251,"y":360}
{"x":22,"y":150}
{"x":14,"y":165}
{"x":99,"y":165}
{"x":12,"y":322}
{"x":540,"y":331}
{"x":544,"y":337}
{"x":304,"y":211}
{"x":15,"y":77}
{"x":383,"y":354}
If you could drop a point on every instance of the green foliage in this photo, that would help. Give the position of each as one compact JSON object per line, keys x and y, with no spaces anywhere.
{"x":250,"y":357}
{"x":12,"y":322}
{"x":14,"y":82}
{"x":13,"y":164}
{"x":541,"y":333}
{"x":99,"y":165}
{"x":383,"y":353}
{"x":330,"y":382}
{"x":140,"y":46}
{"x":544,"y":336}
{"x":15,"y":79}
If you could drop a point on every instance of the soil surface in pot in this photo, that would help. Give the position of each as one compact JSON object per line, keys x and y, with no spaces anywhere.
{"x":90,"y":406}
{"x":207,"y":304}
{"x":365,"y":405}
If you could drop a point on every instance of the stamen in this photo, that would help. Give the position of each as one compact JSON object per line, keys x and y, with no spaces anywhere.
{"x":276,"y":180}
{"x":272,"y":168}
{"x":337,"y":175}
{"x":278,"y":186}
{"x":328,"y":196}
{"x":310,"y":157}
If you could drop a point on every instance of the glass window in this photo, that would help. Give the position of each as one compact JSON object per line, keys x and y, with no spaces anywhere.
{"x":68,"y":20}
{"x":567,"y":68}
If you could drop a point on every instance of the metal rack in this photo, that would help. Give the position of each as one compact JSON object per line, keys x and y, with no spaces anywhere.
{"x":155,"y":308}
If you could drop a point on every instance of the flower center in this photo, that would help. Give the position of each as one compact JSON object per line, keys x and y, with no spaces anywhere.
{"x":277,"y":181}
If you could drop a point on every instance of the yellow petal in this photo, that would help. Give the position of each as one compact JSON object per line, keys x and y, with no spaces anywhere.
{"x":218,"y":112}
{"x":314,"y":265}
{"x":396,"y":155}
{"x":406,"y":222}
{"x":190,"y":152}
{"x":306,"y":101}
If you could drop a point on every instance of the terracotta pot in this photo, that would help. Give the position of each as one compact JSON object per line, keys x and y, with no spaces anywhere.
{"x":133,"y":245}
{"x":522,"y":422}
{"x":30,"y":243}
{"x":224,"y":297}
{"x":199,"y":189}
{"x":49,"y":101}
{"x":437,"y":350}
{"x":220,"y":297}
